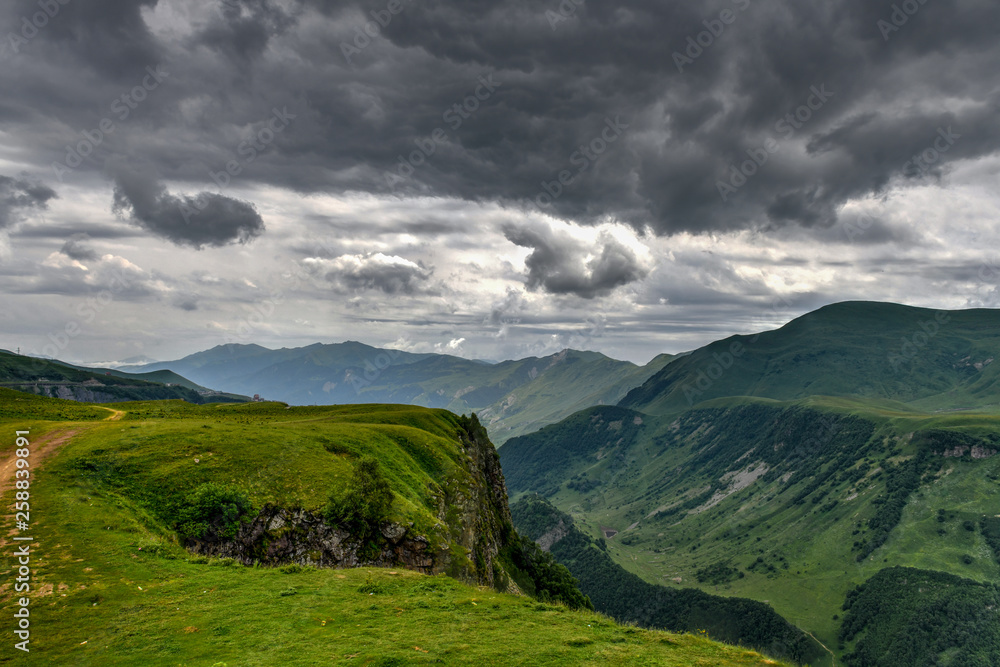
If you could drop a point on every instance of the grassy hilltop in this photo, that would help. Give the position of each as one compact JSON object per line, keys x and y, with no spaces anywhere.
{"x":113,"y":584}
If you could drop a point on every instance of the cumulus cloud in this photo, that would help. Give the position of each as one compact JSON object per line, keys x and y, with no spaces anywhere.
{"x":561,"y":263}
{"x":207,"y":219}
{"x":19,"y":196}
{"x":389,"y":274}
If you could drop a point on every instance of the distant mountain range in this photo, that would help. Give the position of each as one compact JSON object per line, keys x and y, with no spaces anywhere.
{"x":57,"y":379}
{"x":511,"y":397}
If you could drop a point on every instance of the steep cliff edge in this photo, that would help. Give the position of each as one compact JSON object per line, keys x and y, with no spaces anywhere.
{"x":473,"y":527}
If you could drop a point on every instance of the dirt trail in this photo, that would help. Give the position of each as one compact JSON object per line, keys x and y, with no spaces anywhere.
{"x":44,"y":447}
{"x":832,"y":654}
{"x":115,"y":414}
{"x":41,"y":449}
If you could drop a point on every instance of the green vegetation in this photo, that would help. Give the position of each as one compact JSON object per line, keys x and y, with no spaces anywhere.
{"x":538,"y":574}
{"x":211,"y":510}
{"x":113,"y":585}
{"x":629,"y":599}
{"x":904,"y":617}
{"x":880,"y":352}
{"x":804,"y":499}
{"x":990,"y":525}
{"x":365,"y":504}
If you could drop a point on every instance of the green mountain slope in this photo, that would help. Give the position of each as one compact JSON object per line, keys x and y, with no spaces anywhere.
{"x":790,"y":502}
{"x":628,"y":599}
{"x":57,"y":379}
{"x":880,"y":351}
{"x":512,"y":397}
{"x":112,"y":583}
{"x":571,"y":381}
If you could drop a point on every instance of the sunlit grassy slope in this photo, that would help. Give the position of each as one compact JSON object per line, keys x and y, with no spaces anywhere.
{"x":113,"y":586}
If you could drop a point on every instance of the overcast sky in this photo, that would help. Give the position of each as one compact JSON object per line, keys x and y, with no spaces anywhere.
{"x":486,"y":178}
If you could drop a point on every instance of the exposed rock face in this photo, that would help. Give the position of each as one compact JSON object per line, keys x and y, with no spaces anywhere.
{"x":976,"y":451}
{"x":559,"y":531}
{"x":475,"y":525}
{"x":87,"y":393}
{"x":278,"y":536}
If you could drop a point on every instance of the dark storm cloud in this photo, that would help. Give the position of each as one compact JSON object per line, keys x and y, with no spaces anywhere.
{"x":109,"y":37}
{"x":243,"y":28}
{"x":559,"y":264}
{"x":207,"y":219}
{"x":18,"y":196}
{"x":844,"y":104}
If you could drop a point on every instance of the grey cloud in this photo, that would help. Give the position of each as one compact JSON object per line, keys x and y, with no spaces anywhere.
{"x":76,"y":248}
{"x":387,"y":274}
{"x":558,"y":262}
{"x":557,"y":88}
{"x":506,"y":308}
{"x":243,"y":28}
{"x":18,"y":196}
{"x":207,"y":219}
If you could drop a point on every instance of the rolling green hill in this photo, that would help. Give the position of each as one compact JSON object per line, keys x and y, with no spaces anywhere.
{"x":135,"y":506}
{"x":59,"y":380}
{"x":932,"y":360}
{"x":511,"y":397}
{"x":794,"y":503}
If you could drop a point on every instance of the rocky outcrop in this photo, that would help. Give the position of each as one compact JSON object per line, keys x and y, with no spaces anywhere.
{"x":559,"y":531}
{"x":474,"y":526}
{"x":976,"y":451}
{"x":279,"y":536}
{"x":87,"y":393}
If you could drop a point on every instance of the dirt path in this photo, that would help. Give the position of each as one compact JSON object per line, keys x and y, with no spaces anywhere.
{"x":115,"y":414}
{"x":832,"y":654}
{"x":41,"y":449}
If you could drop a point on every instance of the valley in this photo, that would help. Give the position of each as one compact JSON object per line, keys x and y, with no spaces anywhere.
{"x":783,"y":496}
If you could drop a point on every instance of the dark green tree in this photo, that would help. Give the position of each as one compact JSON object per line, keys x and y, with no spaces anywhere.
{"x":212,"y":510}
{"x":365,"y":504}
